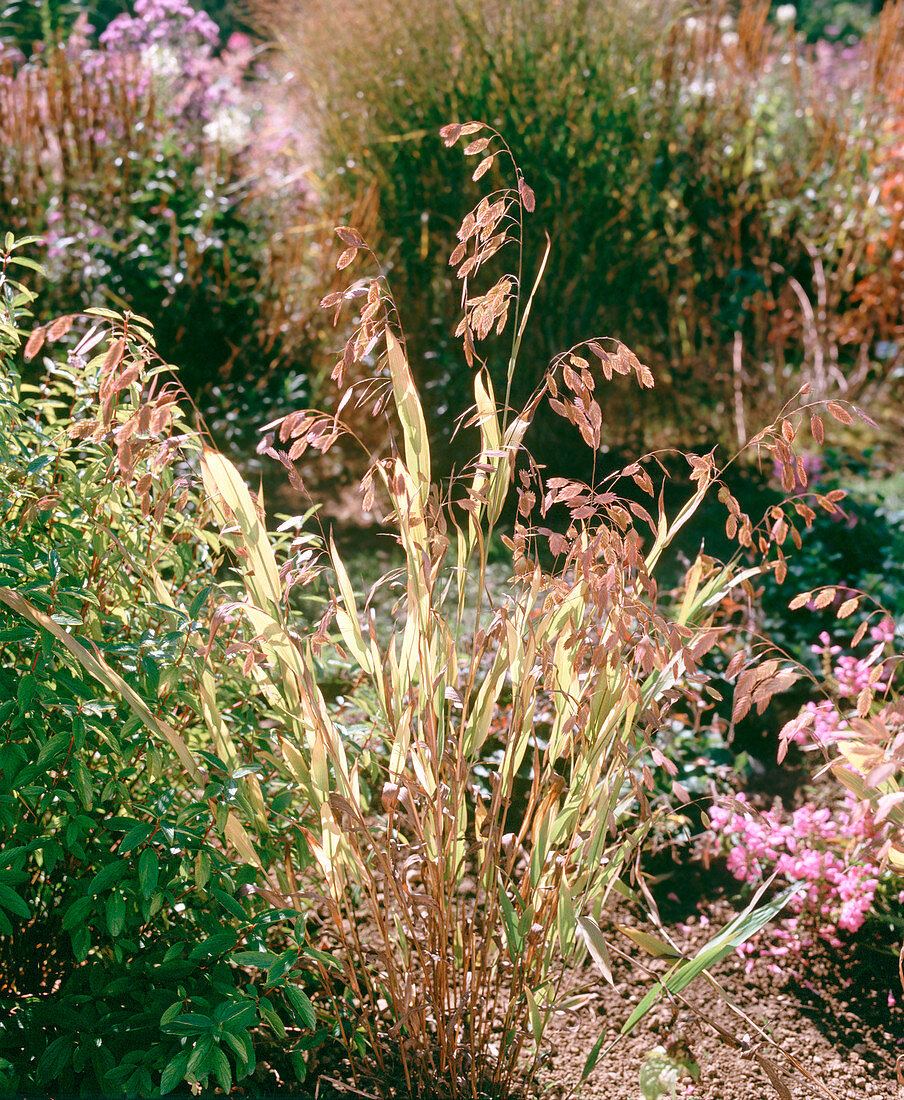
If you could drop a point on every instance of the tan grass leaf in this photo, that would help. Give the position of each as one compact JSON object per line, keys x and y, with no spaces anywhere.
{"x":60,"y":327}
{"x":160,"y":418}
{"x":35,"y":343}
{"x":113,"y":356}
{"x":824,"y":598}
{"x":772,"y":1073}
{"x":476,"y":146}
{"x":848,"y":608}
{"x":350,"y":236}
{"x":735,"y":665}
{"x":346,"y":258}
{"x":450,"y":134}
{"x":485,"y":165}
{"x":128,"y":377}
{"x":839,"y":412}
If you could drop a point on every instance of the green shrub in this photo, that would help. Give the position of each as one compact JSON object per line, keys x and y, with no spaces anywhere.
{"x":844,"y":19}
{"x":861,"y":547}
{"x":122,"y":902}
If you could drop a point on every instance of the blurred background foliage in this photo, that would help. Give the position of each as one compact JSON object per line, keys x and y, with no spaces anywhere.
{"x":708,"y":182}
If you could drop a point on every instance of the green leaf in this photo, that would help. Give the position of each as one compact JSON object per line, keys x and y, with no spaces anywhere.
{"x":221,"y":1068}
{"x":198,"y":602}
{"x":231,"y":905}
{"x":745,"y":925}
{"x":77,"y":912}
{"x":513,"y":940}
{"x":54,"y":748}
{"x":148,"y":869}
{"x":11,"y":901}
{"x":174,"y":1072}
{"x":244,"y":1050}
{"x":263,"y":960}
{"x":116,"y":913}
{"x":235,"y":1016}
{"x":23,"y":261}
{"x":274,"y":1021}
{"x":301,"y":1005}
{"x":106,"y":876}
{"x":189,"y":1023}
{"x":54,"y":1058}
{"x":25,"y":691}
{"x":592,"y":1057}
{"x":81,"y":781}
{"x":81,"y":943}
{"x":281,"y":967}
{"x":217,"y":944}
{"x":138,"y":834}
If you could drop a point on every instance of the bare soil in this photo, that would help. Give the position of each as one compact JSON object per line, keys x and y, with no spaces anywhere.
{"x":834,"y":1020}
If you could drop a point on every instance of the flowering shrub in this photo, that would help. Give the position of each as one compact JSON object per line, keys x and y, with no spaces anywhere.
{"x":177,"y":45}
{"x":822,"y":724}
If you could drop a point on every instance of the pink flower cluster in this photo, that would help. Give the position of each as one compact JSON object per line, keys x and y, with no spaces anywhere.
{"x":822,"y":723}
{"x":176,"y":46}
{"x":833,"y":853}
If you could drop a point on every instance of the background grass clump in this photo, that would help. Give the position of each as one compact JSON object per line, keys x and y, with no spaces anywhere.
{"x":706,"y":180}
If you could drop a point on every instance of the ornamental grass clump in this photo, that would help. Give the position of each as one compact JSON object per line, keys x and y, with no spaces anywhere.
{"x":726,"y":175}
{"x":478,"y":826}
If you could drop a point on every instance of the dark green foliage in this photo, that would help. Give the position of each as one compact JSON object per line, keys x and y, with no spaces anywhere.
{"x":843,"y":19}
{"x":120,"y":907}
